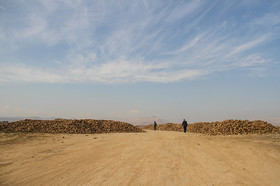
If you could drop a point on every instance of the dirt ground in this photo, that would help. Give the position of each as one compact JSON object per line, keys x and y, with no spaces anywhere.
{"x":151,"y":158}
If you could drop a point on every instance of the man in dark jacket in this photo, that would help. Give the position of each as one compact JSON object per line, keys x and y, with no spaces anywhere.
{"x":185,"y":124}
{"x":155,"y":125}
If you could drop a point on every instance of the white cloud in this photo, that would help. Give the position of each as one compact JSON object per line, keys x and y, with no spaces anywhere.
{"x":183,"y":10}
{"x":113,"y":72}
{"x":168,"y":77}
{"x":29,"y":74}
{"x":267,"y":20}
{"x":253,"y":60}
{"x":189,"y":45}
{"x":248,"y":45}
{"x":129,"y":42}
{"x":45,"y":25}
{"x":127,"y":71}
{"x":34,"y":26}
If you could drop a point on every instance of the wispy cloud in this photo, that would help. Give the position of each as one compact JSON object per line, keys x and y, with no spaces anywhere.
{"x":158,"y":41}
{"x":269,"y":20}
{"x":248,"y":45}
{"x":182,"y":10}
{"x":189,"y":45}
{"x":22,"y":73}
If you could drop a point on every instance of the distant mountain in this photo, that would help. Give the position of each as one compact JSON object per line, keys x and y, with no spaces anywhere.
{"x":146,"y":121}
{"x":11,"y":119}
{"x":274,"y":121}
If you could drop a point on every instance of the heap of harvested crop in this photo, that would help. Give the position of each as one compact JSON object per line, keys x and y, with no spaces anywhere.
{"x":85,"y":126}
{"x":227,"y":127}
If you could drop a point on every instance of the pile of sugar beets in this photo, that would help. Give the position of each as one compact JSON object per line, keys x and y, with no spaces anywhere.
{"x":83,"y":126}
{"x":227,"y":127}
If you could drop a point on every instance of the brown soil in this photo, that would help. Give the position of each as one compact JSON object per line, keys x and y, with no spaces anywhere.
{"x":150,"y":158}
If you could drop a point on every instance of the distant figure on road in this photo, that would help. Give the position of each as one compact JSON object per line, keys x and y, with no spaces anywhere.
{"x":185,"y":124}
{"x":155,"y":125}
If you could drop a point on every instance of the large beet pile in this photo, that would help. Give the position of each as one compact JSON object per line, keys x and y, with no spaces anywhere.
{"x":84,"y":126}
{"x":227,"y":127}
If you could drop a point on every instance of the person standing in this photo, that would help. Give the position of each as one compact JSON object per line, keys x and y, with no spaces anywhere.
{"x":185,"y":124}
{"x":155,"y":125}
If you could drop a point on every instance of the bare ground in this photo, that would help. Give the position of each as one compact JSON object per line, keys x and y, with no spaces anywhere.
{"x":151,"y":158}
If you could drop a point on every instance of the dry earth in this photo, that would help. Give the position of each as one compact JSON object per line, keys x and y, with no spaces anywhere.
{"x":151,"y":158}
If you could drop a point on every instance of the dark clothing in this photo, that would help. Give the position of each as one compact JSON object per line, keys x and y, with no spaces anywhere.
{"x":185,"y":124}
{"x":155,"y":125}
{"x":185,"y":129}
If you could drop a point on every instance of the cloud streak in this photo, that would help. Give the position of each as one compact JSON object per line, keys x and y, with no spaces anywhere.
{"x":122,"y":42}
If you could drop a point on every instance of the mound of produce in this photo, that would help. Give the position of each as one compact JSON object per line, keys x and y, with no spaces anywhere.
{"x":84,"y":126}
{"x":227,"y":127}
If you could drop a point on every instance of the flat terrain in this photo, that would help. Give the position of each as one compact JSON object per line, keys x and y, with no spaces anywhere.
{"x":151,"y":158}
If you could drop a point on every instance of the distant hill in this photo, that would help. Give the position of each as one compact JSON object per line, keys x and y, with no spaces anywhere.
{"x":11,"y":119}
{"x":146,"y":121}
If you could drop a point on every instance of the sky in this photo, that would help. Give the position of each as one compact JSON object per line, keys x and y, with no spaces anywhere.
{"x":202,"y":60}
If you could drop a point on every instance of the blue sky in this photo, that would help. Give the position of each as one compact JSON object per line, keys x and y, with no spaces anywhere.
{"x":199,"y":60}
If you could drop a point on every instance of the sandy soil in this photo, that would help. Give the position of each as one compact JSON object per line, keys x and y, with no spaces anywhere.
{"x":151,"y":158}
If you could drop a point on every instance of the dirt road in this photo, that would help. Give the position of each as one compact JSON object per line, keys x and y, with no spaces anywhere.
{"x":151,"y":158}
